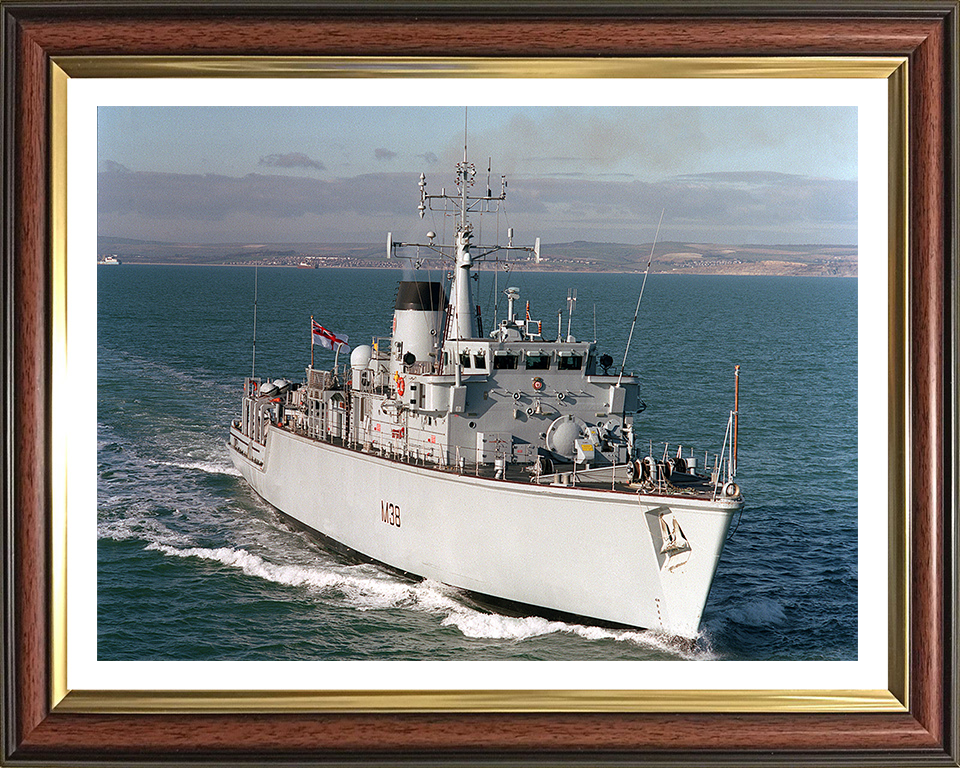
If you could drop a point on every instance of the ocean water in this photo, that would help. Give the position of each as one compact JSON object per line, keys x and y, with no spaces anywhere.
{"x":193,"y":565}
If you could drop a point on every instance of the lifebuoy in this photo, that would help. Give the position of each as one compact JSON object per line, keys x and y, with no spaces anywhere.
{"x":538,"y":383}
{"x":401,"y":386}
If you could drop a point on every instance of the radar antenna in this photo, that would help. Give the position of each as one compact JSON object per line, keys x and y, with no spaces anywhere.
{"x":464,"y":251}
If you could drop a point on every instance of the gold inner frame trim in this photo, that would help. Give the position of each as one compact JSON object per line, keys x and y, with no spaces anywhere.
{"x":231,"y":702}
{"x":411,"y":66}
{"x":892,"y":69}
{"x":59,"y":396}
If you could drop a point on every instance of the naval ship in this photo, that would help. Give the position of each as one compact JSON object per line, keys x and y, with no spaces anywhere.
{"x":502,"y":464}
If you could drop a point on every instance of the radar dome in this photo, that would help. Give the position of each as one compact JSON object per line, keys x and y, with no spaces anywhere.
{"x":360,"y":357}
{"x":562,"y":435}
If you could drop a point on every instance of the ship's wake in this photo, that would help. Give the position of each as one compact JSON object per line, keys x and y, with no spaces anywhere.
{"x":368,"y":587}
{"x":211,"y":467}
{"x":492,"y":626}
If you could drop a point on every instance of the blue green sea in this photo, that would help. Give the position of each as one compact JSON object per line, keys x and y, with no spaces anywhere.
{"x":193,"y":565}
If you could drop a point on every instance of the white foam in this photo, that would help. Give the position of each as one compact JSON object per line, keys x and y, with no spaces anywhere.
{"x":374,"y":591}
{"x":370,"y":588}
{"x":498,"y":627}
{"x":144,"y":528}
{"x":205,"y":466}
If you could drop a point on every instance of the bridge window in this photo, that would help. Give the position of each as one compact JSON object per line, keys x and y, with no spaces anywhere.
{"x":538,"y":361}
{"x":480,"y":361}
{"x":504,"y":361}
{"x":465,"y":359}
{"x":568,"y":361}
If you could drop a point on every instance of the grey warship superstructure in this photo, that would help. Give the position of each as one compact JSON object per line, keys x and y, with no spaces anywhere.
{"x":503,"y":464}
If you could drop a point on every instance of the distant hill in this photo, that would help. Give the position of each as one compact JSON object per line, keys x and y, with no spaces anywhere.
{"x":676,"y":256}
{"x":106,"y":241}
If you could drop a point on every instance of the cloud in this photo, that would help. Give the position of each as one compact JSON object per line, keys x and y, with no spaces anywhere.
{"x":213,"y":197}
{"x":725,"y":207}
{"x":746,"y":207}
{"x":384,"y":154}
{"x":756,"y":198}
{"x":292,"y":160}
{"x":657,"y":142}
{"x":429,"y":157}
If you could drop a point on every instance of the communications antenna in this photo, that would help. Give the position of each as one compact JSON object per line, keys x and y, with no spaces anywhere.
{"x":253,"y":366}
{"x":640,"y":298}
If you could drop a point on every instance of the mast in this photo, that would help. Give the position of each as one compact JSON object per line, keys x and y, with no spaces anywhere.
{"x":465,"y":326}
{"x":465,"y":252}
{"x":461,"y":293}
{"x":736,"y":414}
{"x":253,"y":364}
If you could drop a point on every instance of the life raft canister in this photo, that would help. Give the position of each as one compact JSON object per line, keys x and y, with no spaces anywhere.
{"x":537,"y":383}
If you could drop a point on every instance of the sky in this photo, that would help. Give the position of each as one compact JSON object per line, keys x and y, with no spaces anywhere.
{"x":731,"y":175}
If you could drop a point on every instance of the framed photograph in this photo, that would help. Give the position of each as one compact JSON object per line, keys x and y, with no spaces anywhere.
{"x":117,"y":645}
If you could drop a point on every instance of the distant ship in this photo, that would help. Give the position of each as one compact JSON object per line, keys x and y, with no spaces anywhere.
{"x":308,"y":265}
{"x":110,"y":260}
{"x":504,"y":465}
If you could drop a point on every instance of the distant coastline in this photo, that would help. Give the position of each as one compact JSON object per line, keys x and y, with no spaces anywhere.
{"x":616,"y":258}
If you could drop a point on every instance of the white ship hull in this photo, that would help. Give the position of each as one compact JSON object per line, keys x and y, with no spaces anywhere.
{"x":576,"y":551}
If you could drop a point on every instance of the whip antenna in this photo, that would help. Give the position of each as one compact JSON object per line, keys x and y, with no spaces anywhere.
{"x":640,"y":298}
{"x":253,"y":366}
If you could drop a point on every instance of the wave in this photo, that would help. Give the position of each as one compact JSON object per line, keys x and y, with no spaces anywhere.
{"x":759,"y":613}
{"x":367,"y":587}
{"x":210,"y":467}
{"x":146,"y":529}
{"x":491,"y":626}
{"x":147,"y":369}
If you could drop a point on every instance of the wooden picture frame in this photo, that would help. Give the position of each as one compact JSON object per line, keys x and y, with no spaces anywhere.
{"x":38,"y":731}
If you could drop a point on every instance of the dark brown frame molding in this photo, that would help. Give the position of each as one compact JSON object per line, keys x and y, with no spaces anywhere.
{"x":923,"y":31}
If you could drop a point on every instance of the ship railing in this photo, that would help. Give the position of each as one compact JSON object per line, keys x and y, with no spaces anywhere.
{"x":419,"y":368}
{"x":463,"y":460}
{"x":365,"y":382}
{"x":398,"y":445}
{"x":723,"y":466}
{"x":324,"y":379}
{"x":718,"y":469}
{"x":381,"y":348}
{"x":615,"y":473}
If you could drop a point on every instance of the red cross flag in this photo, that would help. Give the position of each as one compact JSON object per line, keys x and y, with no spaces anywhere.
{"x":325,"y":338}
